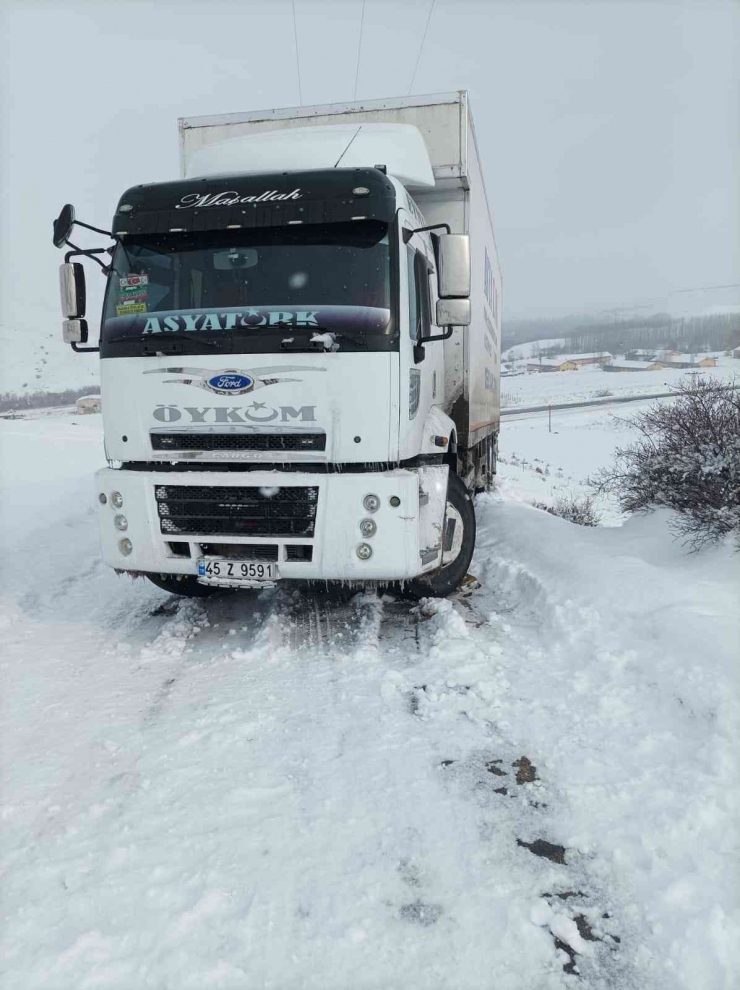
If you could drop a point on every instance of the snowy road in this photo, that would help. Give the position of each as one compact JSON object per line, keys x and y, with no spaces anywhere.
{"x":273,"y":790}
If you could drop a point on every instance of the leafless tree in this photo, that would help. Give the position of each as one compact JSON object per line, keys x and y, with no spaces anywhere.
{"x":687,"y":458}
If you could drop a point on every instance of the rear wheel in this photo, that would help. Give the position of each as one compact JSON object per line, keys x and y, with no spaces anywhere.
{"x":458,"y":545}
{"x":182,"y":584}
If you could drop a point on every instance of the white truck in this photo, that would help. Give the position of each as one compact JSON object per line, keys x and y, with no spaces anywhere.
{"x":299,"y":351}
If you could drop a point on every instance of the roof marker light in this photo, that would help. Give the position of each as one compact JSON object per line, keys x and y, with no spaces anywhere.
{"x":360,"y":191}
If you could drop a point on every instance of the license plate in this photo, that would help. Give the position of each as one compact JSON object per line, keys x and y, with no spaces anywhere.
{"x":237,"y":573}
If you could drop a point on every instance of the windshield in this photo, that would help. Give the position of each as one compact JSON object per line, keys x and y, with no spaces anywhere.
{"x":237,"y":285}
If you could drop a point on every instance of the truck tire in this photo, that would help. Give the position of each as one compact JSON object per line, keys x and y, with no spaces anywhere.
{"x":456,"y":558}
{"x":183,"y":584}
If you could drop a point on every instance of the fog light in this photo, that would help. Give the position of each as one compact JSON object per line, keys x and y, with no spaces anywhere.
{"x":368,"y":527}
{"x":116,"y":500}
{"x":120,"y":522}
{"x":395,"y":501}
{"x":102,"y":498}
{"x":371,"y":503}
{"x":125,"y":546}
{"x":364,"y":551}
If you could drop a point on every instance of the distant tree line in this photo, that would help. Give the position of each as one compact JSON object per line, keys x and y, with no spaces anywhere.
{"x":718,"y":332}
{"x":12,"y":401}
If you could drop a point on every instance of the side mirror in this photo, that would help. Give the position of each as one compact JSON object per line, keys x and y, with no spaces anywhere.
{"x":72,"y":290}
{"x":453,"y":267}
{"x":63,"y":225}
{"x":453,"y":313}
{"x":74,"y":331}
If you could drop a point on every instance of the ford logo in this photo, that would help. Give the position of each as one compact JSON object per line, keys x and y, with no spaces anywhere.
{"x":226,"y":382}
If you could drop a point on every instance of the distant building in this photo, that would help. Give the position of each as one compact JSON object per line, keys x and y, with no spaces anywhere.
{"x":736,"y":352}
{"x":594,"y":357}
{"x":88,"y":404}
{"x":544,"y":364}
{"x":640,"y":354}
{"x":689,"y":361}
{"x":634,"y":366}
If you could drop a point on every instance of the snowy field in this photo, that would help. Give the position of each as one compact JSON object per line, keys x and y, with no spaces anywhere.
{"x":586,"y":384}
{"x":529,"y":788}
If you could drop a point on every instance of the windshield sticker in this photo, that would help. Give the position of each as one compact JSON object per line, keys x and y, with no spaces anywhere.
{"x":130,"y":307}
{"x":129,"y":319}
{"x":133,"y":294}
{"x":133,"y":282}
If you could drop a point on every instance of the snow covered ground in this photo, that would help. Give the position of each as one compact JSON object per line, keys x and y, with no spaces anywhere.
{"x":34,"y":360}
{"x":537,"y":388}
{"x":535,"y":786}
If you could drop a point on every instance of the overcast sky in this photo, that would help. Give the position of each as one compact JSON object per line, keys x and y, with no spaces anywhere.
{"x":608,"y":130}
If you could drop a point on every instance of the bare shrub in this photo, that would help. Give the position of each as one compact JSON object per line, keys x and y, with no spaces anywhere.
{"x":687,"y":458}
{"x":576,"y":510}
{"x":603,"y":393}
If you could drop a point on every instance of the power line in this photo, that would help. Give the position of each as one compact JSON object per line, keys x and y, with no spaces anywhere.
{"x":359,"y":47}
{"x":421,"y":46}
{"x":708,"y":288}
{"x":297,"y":60}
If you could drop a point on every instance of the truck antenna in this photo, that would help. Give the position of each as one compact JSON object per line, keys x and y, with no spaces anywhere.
{"x":297,"y":60}
{"x":421,"y":46}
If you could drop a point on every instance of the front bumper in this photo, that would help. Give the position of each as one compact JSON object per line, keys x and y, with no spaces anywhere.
{"x":407,"y":541}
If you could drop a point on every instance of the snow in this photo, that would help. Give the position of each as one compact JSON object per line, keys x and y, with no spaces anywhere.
{"x":531,"y":349}
{"x":32,"y":360}
{"x":274,"y":790}
{"x":328,"y":340}
{"x":587,"y":382}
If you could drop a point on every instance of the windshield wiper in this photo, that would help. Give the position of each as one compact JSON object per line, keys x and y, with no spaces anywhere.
{"x":196,"y":338}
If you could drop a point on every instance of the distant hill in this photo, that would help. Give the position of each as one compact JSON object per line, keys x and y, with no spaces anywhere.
{"x":711,"y":332}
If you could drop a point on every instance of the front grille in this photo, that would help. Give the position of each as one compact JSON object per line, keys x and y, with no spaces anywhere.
{"x":299,"y":552}
{"x":241,"y":551}
{"x":225,"y":511}
{"x":238,"y":441}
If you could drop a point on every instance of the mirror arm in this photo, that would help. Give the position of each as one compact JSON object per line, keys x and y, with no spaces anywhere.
{"x":439,"y":336}
{"x":87,"y":253}
{"x":96,"y":229}
{"x":408,"y":234}
{"x":83,"y":350}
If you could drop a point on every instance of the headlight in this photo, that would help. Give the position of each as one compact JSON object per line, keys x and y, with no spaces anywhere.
{"x":371,"y":503}
{"x":120,"y":522}
{"x":364,"y":551}
{"x":116,"y":500}
{"x":368,"y":527}
{"x":125,"y":546}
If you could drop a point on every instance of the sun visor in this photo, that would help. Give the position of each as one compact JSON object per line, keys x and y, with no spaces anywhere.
{"x":400,"y":147}
{"x":256,"y":200}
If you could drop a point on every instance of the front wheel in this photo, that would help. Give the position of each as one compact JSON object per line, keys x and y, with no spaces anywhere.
{"x":182,"y":584}
{"x":457,"y":545}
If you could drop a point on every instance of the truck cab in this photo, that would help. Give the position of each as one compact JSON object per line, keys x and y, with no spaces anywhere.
{"x":277,"y":364}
